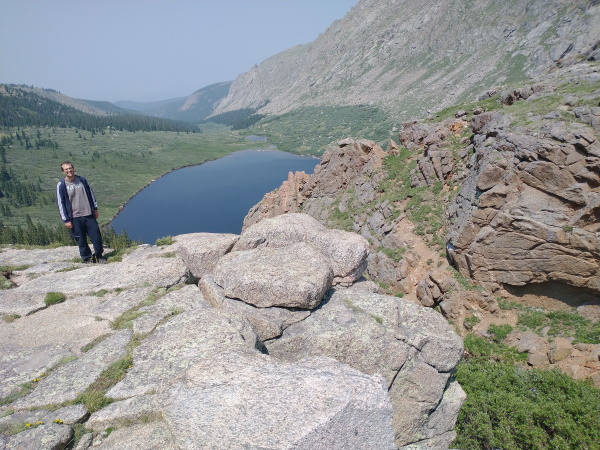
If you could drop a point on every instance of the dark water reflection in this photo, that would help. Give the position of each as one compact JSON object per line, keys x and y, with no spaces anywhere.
{"x":211,"y":197}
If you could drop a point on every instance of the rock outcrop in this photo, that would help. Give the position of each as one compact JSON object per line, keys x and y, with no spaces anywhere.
{"x":345,"y":252}
{"x":529,"y":210}
{"x":349,"y":165}
{"x":349,"y":178}
{"x":266,"y":352}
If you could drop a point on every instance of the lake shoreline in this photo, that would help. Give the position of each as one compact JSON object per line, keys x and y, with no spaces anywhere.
{"x":229,"y":185}
{"x":121,"y":207}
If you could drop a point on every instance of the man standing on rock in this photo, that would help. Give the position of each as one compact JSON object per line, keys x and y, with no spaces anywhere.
{"x":78,"y":209}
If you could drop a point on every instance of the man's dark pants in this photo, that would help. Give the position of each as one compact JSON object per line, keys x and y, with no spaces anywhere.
{"x":83,"y":226}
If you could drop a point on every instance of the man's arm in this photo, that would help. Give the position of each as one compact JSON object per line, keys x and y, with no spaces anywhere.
{"x":90,"y":192}
{"x":62,"y":210}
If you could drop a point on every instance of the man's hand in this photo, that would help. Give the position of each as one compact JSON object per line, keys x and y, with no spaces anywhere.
{"x":68,"y":225}
{"x":95,"y":214}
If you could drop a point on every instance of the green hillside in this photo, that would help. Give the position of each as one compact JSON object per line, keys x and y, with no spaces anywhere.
{"x":23,"y":107}
{"x":118,"y":164}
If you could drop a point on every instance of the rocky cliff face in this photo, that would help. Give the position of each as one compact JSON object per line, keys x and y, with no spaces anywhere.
{"x":505,"y":191}
{"x":409,"y":57}
{"x":529,"y":210}
{"x":270,"y":339}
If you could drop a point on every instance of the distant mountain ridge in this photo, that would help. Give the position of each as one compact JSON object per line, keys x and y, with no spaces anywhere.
{"x":22,"y":105}
{"x":96,"y":108}
{"x":145,"y":106}
{"x":412,"y":56}
{"x":194,"y":108}
{"x":406,"y":57}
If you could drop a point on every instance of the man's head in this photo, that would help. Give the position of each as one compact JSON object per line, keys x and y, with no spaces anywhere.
{"x":68,"y":169}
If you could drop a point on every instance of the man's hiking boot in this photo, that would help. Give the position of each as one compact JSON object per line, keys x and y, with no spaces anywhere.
{"x":101,"y":260}
{"x":88,"y":260}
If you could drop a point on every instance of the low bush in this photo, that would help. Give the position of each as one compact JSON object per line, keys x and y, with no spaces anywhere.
{"x":471,"y":321}
{"x":511,"y":407}
{"x":168,"y":240}
{"x":499,"y":332}
{"x":560,"y":323}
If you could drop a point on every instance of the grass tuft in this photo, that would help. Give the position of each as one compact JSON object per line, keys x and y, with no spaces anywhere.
{"x":53,"y":298}
{"x":168,"y":240}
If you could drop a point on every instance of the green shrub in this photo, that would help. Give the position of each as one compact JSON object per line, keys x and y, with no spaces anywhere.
{"x":531,"y":318}
{"x":499,"y":332}
{"x":168,"y":240}
{"x":5,"y":283}
{"x":53,"y":298}
{"x":509,"y":407}
{"x":395,"y":254}
{"x":478,"y":347}
{"x":93,"y":398}
{"x":561,"y":323}
{"x":10,"y":268}
{"x":505,"y":304}
{"x":5,"y":273}
{"x":471,"y":321}
{"x":126,"y":319}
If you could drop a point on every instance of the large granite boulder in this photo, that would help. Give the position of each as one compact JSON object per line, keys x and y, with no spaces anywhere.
{"x":267,"y":323}
{"x":251,"y":401}
{"x":346,"y":251}
{"x":412,"y":347}
{"x":201,"y":251}
{"x":294,"y":277}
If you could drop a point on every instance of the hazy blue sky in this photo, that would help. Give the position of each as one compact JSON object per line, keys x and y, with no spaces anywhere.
{"x":145,"y":50}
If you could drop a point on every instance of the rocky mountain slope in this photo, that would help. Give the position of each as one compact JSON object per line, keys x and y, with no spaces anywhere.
{"x":409,"y":57}
{"x":504,"y":190}
{"x":270,"y":339}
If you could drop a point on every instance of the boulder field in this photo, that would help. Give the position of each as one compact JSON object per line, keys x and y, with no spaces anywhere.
{"x":270,"y":339}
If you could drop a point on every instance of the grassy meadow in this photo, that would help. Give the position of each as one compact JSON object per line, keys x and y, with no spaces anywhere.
{"x":118,"y":164}
{"x":308,"y":130}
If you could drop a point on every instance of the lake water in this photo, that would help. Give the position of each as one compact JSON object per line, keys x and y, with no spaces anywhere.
{"x":212,"y":197}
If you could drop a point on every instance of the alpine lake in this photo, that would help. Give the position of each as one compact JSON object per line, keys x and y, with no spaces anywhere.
{"x":212,"y":197}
